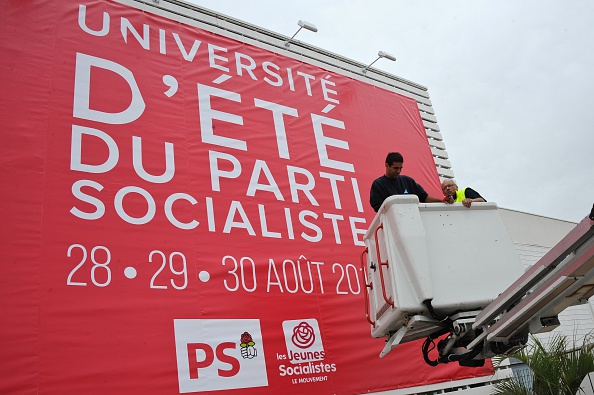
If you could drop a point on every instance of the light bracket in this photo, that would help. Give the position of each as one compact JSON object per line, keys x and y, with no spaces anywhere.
{"x":302,"y":25}
{"x":380,"y":54}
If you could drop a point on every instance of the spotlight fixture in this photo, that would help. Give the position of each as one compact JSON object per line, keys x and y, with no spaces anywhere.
{"x":380,"y":54}
{"x":302,"y":25}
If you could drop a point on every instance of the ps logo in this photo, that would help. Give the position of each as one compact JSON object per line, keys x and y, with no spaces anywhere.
{"x":219,"y":354}
{"x":208,"y":357}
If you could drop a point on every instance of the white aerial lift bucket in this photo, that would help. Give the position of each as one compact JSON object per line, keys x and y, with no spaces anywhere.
{"x":423,"y":262}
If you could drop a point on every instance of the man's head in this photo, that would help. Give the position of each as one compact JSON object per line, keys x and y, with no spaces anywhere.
{"x":449,"y":187}
{"x":394,"y":163}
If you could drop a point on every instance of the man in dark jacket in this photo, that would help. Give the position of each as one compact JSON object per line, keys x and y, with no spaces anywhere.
{"x":393,"y":183}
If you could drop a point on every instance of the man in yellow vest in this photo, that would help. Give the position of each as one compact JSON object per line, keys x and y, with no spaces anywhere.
{"x":466,"y":195}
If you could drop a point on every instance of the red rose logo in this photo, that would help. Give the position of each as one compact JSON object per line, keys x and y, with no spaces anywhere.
{"x":303,"y":335}
{"x":246,"y":338}
{"x":247,"y":346}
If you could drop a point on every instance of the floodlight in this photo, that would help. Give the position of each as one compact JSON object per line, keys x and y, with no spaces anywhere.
{"x":380,"y":54}
{"x":302,"y":25}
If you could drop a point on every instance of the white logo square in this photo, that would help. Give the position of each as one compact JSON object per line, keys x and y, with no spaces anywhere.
{"x":303,"y":340}
{"x":219,"y":354}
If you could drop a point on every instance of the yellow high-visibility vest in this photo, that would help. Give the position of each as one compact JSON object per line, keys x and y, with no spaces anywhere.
{"x":460,"y":195}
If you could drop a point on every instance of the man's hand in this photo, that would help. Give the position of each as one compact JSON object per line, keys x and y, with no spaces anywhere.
{"x":448,"y":199}
{"x":467,"y":202}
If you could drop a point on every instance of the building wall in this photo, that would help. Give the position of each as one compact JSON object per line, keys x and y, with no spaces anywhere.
{"x":534,"y":230}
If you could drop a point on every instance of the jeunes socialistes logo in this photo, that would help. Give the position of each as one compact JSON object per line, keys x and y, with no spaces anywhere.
{"x":305,"y":352}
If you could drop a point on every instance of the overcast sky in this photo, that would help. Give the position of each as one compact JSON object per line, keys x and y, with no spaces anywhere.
{"x":511,"y":82}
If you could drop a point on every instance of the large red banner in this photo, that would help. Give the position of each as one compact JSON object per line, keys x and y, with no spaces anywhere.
{"x":184,"y":213}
